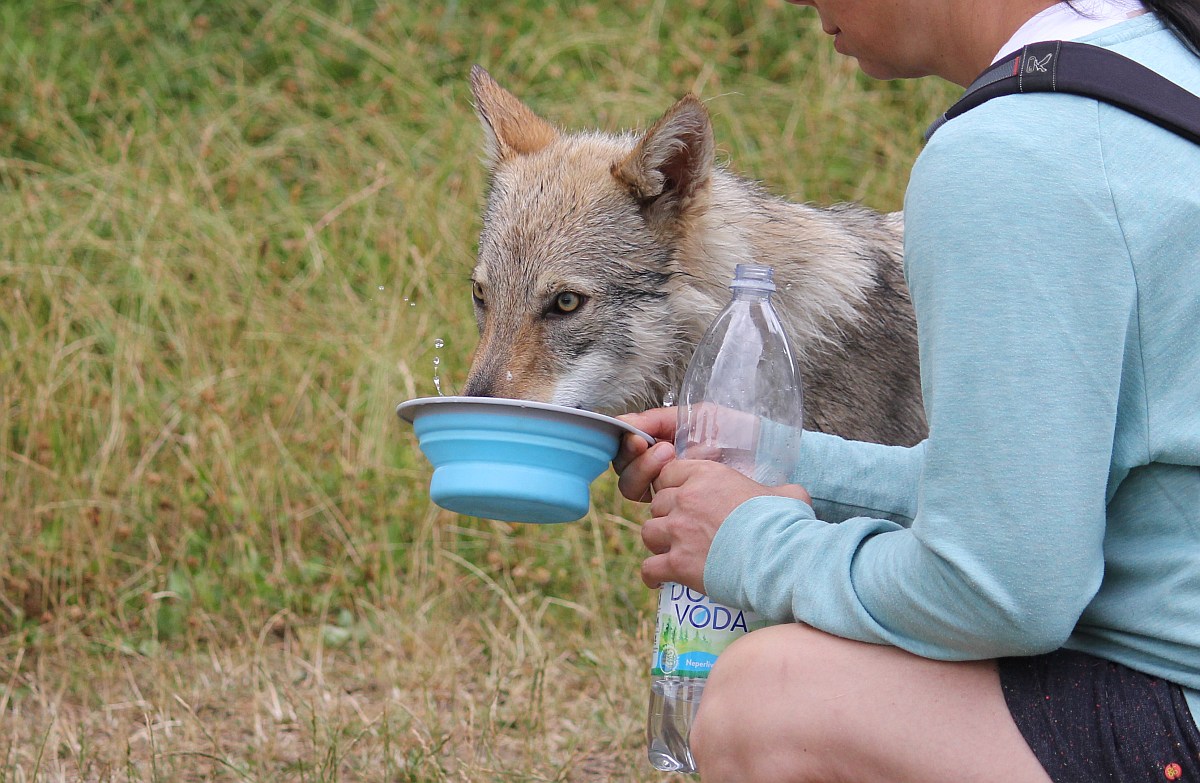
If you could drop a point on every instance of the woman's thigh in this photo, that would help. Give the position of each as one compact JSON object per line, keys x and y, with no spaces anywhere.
{"x":790,"y":703}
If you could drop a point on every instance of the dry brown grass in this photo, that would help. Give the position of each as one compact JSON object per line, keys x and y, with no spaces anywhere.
{"x":412,"y":698}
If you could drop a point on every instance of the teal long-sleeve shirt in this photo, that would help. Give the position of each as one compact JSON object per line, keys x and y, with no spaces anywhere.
{"x":1053,"y":255}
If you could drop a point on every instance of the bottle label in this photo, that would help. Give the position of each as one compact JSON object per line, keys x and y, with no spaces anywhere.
{"x":692,"y":630}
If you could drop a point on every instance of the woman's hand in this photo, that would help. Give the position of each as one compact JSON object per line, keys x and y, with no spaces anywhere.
{"x":692,"y":498}
{"x":637,"y":462}
{"x":689,"y":498}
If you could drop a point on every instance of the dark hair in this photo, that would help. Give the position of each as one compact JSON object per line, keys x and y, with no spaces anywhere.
{"x":1182,"y":16}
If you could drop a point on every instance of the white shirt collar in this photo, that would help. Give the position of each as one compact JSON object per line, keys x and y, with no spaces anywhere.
{"x":1061,"y":22}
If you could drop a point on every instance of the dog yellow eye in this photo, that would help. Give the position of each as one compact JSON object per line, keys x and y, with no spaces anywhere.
{"x":477,"y":291}
{"x":568,"y":302}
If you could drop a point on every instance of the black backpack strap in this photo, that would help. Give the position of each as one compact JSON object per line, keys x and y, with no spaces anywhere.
{"x":1091,"y":71}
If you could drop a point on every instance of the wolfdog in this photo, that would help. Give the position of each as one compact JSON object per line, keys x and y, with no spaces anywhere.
{"x":604,"y":257}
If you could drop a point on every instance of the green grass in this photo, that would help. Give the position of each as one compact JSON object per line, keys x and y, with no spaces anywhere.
{"x":230,"y":234}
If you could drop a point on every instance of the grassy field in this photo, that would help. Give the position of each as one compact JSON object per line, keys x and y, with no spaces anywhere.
{"x":230,"y":234}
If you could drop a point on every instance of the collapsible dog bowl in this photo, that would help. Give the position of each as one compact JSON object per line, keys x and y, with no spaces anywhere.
{"x":513,"y":460}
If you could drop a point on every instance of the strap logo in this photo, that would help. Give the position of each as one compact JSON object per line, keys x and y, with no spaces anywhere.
{"x":1034,"y":65}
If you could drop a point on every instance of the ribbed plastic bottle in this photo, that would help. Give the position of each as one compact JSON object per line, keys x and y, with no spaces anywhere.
{"x":741,"y":404}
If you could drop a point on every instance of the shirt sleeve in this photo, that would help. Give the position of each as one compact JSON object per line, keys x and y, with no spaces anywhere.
{"x":849,"y":478}
{"x":1025,"y":299}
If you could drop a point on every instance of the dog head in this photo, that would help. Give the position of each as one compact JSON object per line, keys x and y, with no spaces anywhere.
{"x":578,"y":297}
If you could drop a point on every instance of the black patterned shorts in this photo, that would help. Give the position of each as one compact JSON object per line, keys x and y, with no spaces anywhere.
{"x":1090,"y":720}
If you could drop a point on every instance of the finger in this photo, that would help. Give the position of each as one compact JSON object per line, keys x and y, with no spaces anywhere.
{"x":662,"y":501}
{"x":677,"y":471}
{"x":658,"y":423}
{"x":795,"y":491}
{"x":630,"y":449}
{"x":638,"y":475}
{"x":701,"y":451}
{"x":655,"y":572}
{"x":655,"y":536}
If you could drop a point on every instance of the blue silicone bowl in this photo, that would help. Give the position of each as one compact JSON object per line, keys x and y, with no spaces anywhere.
{"x":513,"y":460}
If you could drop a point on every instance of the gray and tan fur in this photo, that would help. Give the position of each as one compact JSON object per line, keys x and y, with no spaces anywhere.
{"x":604,"y":257}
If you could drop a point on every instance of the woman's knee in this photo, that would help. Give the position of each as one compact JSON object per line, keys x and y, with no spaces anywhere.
{"x":790,"y":703}
{"x":748,"y":700}
{"x":755,"y":668}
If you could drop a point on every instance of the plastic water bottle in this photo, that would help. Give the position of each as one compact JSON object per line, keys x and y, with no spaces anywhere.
{"x":741,"y":404}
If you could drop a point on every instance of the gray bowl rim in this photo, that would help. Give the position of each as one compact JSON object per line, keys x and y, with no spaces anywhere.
{"x":410,"y":409}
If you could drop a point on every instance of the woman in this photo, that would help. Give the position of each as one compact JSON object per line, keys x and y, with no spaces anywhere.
{"x":1018,"y":597}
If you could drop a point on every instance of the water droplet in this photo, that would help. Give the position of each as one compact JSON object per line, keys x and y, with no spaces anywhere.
{"x":508,"y":376}
{"x":438,"y":343}
{"x":669,"y":398}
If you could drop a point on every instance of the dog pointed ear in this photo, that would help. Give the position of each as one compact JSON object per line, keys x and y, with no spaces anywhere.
{"x":673,"y":161}
{"x":510,"y":127}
